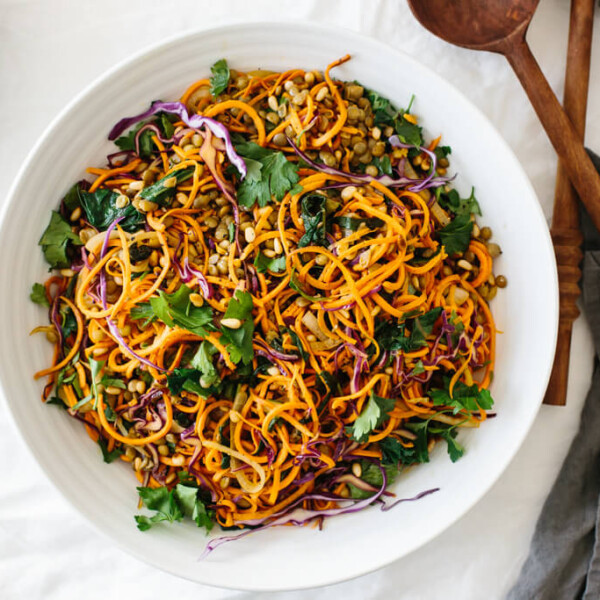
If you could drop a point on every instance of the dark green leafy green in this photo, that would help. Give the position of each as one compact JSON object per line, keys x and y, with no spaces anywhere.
{"x":107,"y":456}
{"x":219,"y":78}
{"x":457,"y":234}
{"x":409,"y":335}
{"x":296,"y":286}
{"x":374,"y":413}
{"x":354,"y":223}
{"x":101,"y":210}
{"x":239,"y":341}
{"x":146,"y":145}
{"x":394,"y":453}
{"x":57,"y":241}
{"x":264,"y":264}
{"x":163,"y":191}
{"x":463,"y":397}
{"x":38,"y":295}
{"x":270,"y":175}
{"x":314,"y":220}
{"x":371,"y":474}
{"x":203,"y":361}
{"x":383,"y":164}
{"x":386,"y":114}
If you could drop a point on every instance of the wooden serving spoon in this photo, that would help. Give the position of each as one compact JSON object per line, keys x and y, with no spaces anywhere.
{"x":500,"y":26}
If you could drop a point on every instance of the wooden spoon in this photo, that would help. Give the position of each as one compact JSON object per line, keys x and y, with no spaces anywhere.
{"x":500,"y":26}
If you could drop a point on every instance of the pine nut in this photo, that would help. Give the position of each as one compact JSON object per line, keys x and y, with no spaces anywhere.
{"x":136,"y":186}
{"x":250,"y":234}
{"x":273,"y":371}
{"x":277,"y":246}
{"x":122,"y":201}
{"x":302,"y":302}
{"x":356,"y":469}
{"x":348,"y":192}
{"x":163,"y":450}
{"x":460,"y":295}
{"x":322,"y":93}
{"x":178,"y":460}
{"x":463,"y":264}
{"x":272,"y":102}
{"x":196,"y":299}
{"x":231,"y":323}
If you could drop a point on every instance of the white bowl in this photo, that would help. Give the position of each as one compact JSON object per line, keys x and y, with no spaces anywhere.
{"x":350,"y":545}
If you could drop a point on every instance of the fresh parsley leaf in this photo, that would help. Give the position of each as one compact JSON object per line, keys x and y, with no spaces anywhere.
{"x":142,"y":311}
{"x":383,"y":164}
{"x":220,"y":77}
{"x":460,"y":206}
{"x":422,"y":326}
{"x":374,"y":413}
{"x":270,"y":175}
{"x":231,"y":231}
{"x":464,"y":397}
{"x":112,"y":382}
{"x":176,"y":309}
{"x":57,"y":240}
{"x":107,"y":456}
{"x":71,"y":200}
{"x":38,"y":295}
{"x":101,"y":210}
{"x":162,"y":195}
{"x":353,"y":223}
{"x":314,"y":219}
{"x":457,"y":234}
{"x":264,"y":264}
{"x":56,"y":400}
{"x":419,"y":259}
{"x":239,"y":341}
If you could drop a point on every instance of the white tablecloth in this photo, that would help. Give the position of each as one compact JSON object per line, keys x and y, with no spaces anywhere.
{"x":50,"y":50}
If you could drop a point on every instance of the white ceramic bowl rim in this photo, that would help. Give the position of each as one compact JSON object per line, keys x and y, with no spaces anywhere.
{"x":251,"y":575}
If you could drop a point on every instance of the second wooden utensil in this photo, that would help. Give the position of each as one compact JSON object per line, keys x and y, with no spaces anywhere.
{"x":500,"y":26}
{"x":565,"y":217}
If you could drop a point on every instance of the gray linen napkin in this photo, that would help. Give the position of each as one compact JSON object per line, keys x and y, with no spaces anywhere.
{"x":564,"y":559}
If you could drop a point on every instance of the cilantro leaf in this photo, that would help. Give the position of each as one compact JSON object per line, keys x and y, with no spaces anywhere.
{"x":107,"y":456}
{"x":38,"y":295}
{"x":173,"y":505}
{"x":371,"y":474}
{"x":101,"y":210}
{"x":394,"y":453}
{"x":204,"y":363}
{"x":386,"y":114}
{"x":270,"y":175}
{"x":163,"y":502}
{"x":146,"y":145}
{"x":161,"y":194}
{"x":220,"y":77}
{"x":457,"y":234}
{"x":57,"y":240}
{"x":191,"y":506}
{"x":177,"y":309}
{"x":464,"y":397}
{"x":264,"y":264}
{"x":455,"y":450}
{"x":374,"y":413}
{"x":383,"y":164}
{"x":458,"y":205}
{"x":239,"y":341}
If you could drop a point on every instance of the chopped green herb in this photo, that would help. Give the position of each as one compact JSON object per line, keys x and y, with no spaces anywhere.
{"x":457,"y":234}
{"x":372,"y":416}
{"x":56,"y":242}
{"x":38,"y":295}
{"x":264,"y":264}
{"x":163,"y":191}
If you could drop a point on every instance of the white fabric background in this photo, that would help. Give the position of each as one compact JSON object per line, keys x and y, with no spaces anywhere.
{"x":50,"y":50}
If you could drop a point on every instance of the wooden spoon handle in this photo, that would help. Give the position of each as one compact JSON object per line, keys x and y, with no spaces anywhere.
{"x":565,"y":217}
{"x":559,"y":128}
